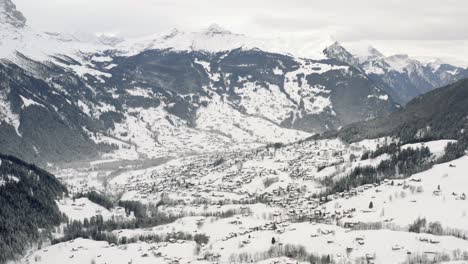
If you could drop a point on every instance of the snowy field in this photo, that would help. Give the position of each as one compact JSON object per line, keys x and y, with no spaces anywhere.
{"x":243,"y":200}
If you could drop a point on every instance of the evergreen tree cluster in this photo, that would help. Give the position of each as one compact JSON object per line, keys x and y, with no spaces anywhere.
{"x":455,"y":150}
{"x":27,"y":205}
{"x":135,"y":207}
{"x":439,"y":114}
{"x":96,"y":228}
{"x":97,"y":198}
{"x":401,"y":164}
{"x":296,"y":252}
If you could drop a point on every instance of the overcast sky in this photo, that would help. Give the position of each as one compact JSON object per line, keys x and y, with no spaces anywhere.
{"x":422,"y":28}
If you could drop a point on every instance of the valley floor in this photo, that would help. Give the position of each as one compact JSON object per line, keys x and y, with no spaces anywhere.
{"x":264,"y":206}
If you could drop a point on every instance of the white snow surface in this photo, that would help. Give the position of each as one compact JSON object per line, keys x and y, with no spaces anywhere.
{"x":437,"y":147}
{"x":417,"y":196}
{"x":82,"y":208}
{"x":41,"y":45}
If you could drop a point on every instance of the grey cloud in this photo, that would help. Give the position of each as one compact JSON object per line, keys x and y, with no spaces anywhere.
{"x":345,"y":20}
{"x":396,"y":19}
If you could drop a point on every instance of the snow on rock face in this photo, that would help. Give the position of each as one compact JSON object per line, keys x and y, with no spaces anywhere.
{"x":9,"y":14}
{"x":6,"y":113}
{"x":338,"y":52}
{"x":17,"y":36}
{"x":381,"y":97}
{"x":398,"y":62}
{"x":138,"y":91}
{"x":214,"y":29}
{"x":7,"y":178}
{"x":101,"y":59}
{"x":278,"y":71}
{"x":28,"y":102}
{"x":400,"y":75}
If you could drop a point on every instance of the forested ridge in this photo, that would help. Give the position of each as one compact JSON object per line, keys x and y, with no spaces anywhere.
{"x":28,"y":209}
{"x":439,"y":114}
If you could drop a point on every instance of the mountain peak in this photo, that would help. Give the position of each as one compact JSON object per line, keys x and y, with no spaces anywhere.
{"x":335,"y":48}
{"x":338,"y":52}
{"x":337,"y":45}
{"x":374,"y":53}
{"x":435,"y":64}
{"x":400,"y":56}
{"x":10,"y":15}
{"x":215,"y":29}
{"x":109,"y":39}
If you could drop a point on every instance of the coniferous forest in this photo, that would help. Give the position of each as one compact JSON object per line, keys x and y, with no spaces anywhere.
{"x":28,"y":209}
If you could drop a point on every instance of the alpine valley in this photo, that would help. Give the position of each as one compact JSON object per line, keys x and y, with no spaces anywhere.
{"x":218,"y":147}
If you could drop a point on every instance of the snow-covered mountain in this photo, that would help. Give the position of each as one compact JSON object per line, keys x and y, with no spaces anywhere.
{"x":338,"y":52}
{"x":66,"y":97}
{"x":9,"y":15}
{"x":399,"y":75}
{"x":217,"y":39}
{"x":169,"y":149}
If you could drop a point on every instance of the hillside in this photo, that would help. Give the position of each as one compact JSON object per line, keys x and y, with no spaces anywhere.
{"x":28,"y":210}
{"x":214,"y":147}
{"x":439,"y":114}
{"x":64,"y":99}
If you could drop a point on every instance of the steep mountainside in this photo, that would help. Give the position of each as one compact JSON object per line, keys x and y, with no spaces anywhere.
{"x":64,"y":99}
{"x":399,"y":75}
{"x":27,"y":198}
{"x":441,"y":113}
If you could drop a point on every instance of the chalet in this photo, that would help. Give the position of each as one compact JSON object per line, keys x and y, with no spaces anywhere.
{"x":396,"y":247}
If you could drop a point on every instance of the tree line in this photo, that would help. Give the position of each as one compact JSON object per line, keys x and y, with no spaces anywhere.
{"x":27,"y":206}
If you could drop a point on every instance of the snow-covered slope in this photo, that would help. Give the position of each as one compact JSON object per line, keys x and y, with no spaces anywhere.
{"x":218,"y":39}
{"x":17,"y":36}
{"x":178,"y":93}
{"x":342,"y":245}
{"x":439,"y":195}
{"x":254,"y":205}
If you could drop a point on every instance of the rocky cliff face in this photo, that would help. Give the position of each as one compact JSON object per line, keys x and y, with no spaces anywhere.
{"x":9,"y":14}
{"x":399,"y":75}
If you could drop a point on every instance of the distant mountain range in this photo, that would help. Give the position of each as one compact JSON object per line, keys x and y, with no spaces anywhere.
{"x":399,"y":75}
{"x":65,"y":98}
